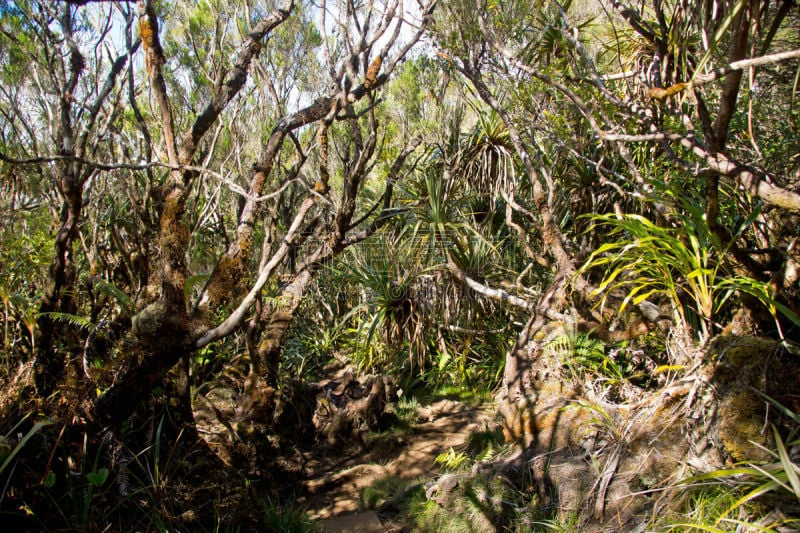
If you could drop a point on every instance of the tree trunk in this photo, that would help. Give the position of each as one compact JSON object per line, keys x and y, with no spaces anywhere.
{"x":146,"y":366}
{"x":49,"y":362}
{"x":280,"y":319}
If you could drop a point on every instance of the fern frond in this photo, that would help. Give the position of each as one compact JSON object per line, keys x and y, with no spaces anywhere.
{"x":123,"y":300}
{"x":192,"y":282}
{"x":72,"y":320}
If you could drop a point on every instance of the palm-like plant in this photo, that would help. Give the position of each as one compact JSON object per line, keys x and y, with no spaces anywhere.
{"x":645,"y":259}
{"x":488,"y":158}
{"x":386,"y":271}
{"x":685,"y":263}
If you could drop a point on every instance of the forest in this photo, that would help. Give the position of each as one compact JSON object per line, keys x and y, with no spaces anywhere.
{"x":400,"y":265}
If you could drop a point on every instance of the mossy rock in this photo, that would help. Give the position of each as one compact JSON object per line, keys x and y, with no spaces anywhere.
{"x":740,"y":366}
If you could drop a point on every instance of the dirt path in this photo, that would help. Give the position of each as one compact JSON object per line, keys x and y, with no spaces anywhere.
{"x":335,"y":486}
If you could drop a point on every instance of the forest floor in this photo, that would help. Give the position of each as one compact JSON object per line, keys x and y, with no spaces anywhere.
{"x":342,"y":491}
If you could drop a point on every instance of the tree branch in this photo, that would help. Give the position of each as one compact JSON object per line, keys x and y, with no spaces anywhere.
{"x":495,"y":294}
{"x":746,"y":177}
{"x":236,"y":80}
{"x":236,"y":318}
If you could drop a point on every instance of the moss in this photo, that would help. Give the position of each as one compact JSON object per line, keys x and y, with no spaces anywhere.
{"x":742,"y":427}
{"x":742,"y":365}
{"x":323,"y":157}
{"x":146,"y":32}
{"x":372,"y":73}
{"x":149,"y":321}
{"x":259,"y":183}
{"x":227,"y":282}
{"x":560,"y":428}
{"x":170,"y":211}
{"x":551,"y":330}
{"x":545,"y":421}
{"x":221,"y":285}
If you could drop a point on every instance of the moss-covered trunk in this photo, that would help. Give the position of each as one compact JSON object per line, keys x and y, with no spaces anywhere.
{"x":278,"y":323}
{"x":49,"y":358}
{"x":162,"y":332}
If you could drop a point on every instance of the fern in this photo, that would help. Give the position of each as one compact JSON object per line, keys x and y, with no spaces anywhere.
{"x":123,"y":300}
{"x":486,"y":454}
{"x":72,"y":320}
{"x":192,"y":282}
{"x":452,"y":460}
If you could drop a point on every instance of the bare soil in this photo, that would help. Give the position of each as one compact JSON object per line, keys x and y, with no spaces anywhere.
{"x":336,"y":479}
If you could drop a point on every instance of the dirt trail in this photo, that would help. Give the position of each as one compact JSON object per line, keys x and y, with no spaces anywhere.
{"x":335,"y":486}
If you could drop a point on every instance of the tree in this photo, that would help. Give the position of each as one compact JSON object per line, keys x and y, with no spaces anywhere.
{"x":167,"y":145}
{"x":561,"y":104}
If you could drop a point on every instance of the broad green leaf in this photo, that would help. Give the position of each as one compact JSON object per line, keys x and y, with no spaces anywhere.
{"x":49,"y":480}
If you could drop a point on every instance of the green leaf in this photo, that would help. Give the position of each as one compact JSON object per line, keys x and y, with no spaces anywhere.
{"x":97,"y":479}
{"x":21,"y":444}
{"x":73,"y":320}
{"x":698,"y":272}
{"x":192,"y":282}
{"x":789,"y":467}
{"x":49,"y":480}
{"x":122,"y":299}
{"x":755,"y":493}
{"x":785,"y":410}
{"x":701,"y":527}
{"x":717,"y":36}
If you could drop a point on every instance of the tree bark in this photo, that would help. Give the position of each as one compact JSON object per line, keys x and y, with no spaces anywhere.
{"x":49,"y":362}
{"x":277,"y":326}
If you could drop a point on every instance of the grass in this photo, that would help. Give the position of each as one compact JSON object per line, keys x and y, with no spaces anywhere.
{"x":699,"y":509}
{"x":384,"y":492}
{"x":397,"y":424}
{"x":470,"y":396}
{"x":476,"y":504}
{"x":760,"y":497}
{"x":287,"y":518}
{"x":407,"y":409}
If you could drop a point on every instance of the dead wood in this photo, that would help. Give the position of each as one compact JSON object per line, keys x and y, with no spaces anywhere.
{"x":346,"y":411}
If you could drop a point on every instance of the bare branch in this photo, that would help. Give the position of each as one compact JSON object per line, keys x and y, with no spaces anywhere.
{"x":745,"y":64}
{"x":148,"y":32}
{"x":495,"y":294}
{"x":236,"y":318}
{"x":234,"y":83}
{"x":746,"y":177}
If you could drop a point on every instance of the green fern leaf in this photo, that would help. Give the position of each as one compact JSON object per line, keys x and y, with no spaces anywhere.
{"x":72,"y":320}
{"x":192,"y":282}
{"x":123,"y":300}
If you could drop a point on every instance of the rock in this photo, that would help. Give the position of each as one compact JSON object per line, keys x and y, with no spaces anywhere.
{"x":353,"y":523}
{"x":440,"y":490}
{"x":740,"y":366}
